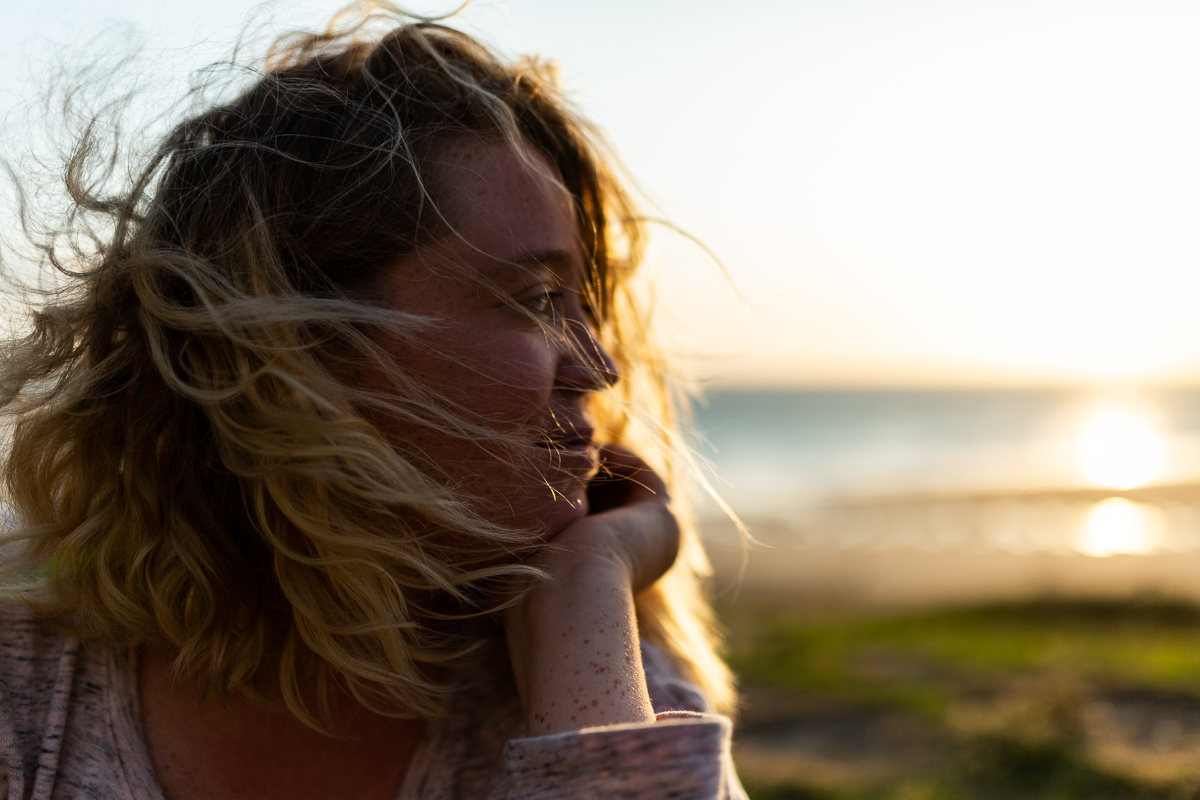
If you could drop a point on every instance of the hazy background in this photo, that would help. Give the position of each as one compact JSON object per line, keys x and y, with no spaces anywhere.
{"x":905,"y":191}
{"x":963,"y":237}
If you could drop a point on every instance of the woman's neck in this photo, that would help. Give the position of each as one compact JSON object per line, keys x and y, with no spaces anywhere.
{"x":233,"y":750}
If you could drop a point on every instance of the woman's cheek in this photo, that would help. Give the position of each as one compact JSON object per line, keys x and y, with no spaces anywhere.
{"x":512,"y":384}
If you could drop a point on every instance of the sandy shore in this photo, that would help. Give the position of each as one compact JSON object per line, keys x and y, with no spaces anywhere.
{"x":915,"y":550}
{"x":880,"y":578}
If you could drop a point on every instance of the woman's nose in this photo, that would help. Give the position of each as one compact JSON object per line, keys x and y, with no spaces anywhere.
{"x":586,"y":365}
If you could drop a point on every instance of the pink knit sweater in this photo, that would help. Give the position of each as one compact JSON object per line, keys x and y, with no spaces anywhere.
{"x":69,"y":728}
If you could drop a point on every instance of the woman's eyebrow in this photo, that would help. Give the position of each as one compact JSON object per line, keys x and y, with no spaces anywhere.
{"x":558,"y":264}
{"x":561,"y":262}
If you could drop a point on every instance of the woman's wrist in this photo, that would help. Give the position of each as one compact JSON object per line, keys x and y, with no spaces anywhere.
{"x":575,"y":651}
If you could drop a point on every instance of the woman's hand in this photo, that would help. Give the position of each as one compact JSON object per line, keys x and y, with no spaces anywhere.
{"x":629,"y":520}
{"x":573,"y":639}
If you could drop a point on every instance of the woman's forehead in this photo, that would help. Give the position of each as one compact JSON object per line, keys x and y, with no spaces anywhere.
{"x":505,"y":205}
{"x":468,"y":175}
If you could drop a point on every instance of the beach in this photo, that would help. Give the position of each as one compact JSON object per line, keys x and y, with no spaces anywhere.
{"x":960,"y":594}
{"x":920,"y":550}
{"x":837,"y":704}
{"x":881,"y":579}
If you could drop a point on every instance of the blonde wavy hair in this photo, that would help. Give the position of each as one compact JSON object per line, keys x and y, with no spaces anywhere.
{"x":189,"y":465}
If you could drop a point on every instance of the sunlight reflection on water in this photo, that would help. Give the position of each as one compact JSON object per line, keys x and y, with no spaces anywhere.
{"x":992,"y":471}
{"x":1118,"y":526}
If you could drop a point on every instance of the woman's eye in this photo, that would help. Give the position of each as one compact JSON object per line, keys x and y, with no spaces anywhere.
{"x":543,"y":304}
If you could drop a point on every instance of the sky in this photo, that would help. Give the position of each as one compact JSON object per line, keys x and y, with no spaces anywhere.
{"x":860,"y":192}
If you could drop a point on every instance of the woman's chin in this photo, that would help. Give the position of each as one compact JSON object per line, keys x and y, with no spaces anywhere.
{"x":564,"y":511}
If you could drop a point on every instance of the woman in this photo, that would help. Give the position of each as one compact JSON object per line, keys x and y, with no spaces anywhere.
{"x":329,"y":462}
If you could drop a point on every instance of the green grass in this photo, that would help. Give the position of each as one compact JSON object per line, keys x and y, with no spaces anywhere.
{"x":1151,"y":643}
{"x":1036,"y":664}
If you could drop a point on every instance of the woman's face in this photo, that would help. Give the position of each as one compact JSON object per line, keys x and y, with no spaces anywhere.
{"x":499,"y":287}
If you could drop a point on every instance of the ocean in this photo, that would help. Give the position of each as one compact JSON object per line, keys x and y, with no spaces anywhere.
{"x":1096,"y":472}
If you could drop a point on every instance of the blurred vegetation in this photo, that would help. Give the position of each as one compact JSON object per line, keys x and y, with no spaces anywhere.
{"x":1047,"y":699}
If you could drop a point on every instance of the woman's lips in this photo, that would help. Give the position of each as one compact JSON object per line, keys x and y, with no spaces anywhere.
{"x":576,"y":452}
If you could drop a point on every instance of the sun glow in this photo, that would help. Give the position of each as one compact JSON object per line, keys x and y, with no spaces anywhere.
{"x":1119,"y":448}
{"x":1118,"y":526}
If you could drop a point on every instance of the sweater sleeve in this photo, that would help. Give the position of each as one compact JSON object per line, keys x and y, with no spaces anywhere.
{"x":682,"y":755}
{"x":685,"y":753}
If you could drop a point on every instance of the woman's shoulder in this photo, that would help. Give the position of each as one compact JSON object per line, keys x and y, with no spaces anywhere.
{"x":58,"y":709}
{"x":31,"y":653}
{"x":32,"y":662}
